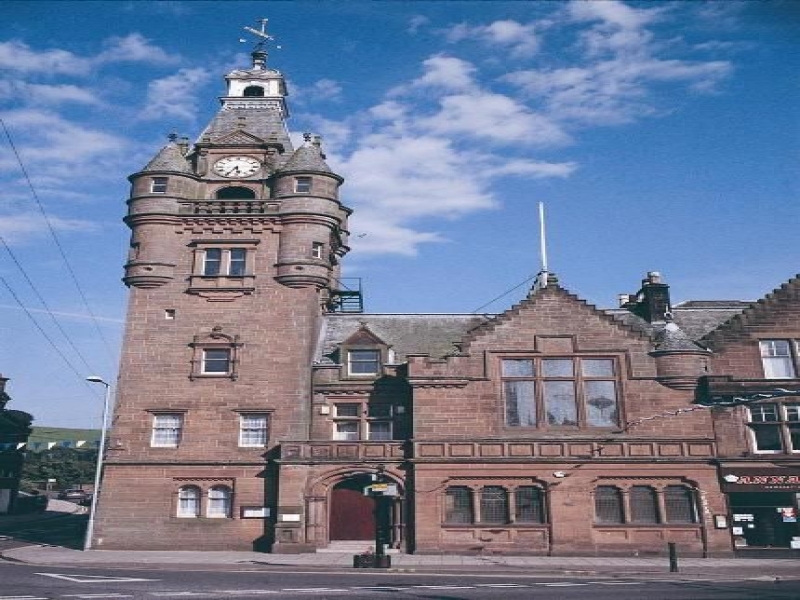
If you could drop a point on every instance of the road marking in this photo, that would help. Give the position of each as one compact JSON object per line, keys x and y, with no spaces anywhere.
{"x":562,"y":584}
{"x":379,"y":588}
{"x":315,"y":590}
{"x":445,"y":587}
{"x":244,"y":592}
{"x":22,"y":598}
{"x":108,"y":595}
{"x":502,"y":585}
{"x":93,"y":578}
{"x":617,"y":582}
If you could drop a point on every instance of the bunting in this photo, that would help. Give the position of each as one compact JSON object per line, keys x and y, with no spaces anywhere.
{"x":49,"y":445}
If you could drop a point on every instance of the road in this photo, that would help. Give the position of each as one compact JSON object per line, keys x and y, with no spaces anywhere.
{"x":31,"y":582}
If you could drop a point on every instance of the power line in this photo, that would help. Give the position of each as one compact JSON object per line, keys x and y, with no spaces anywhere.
{"x":89,"y":369}
{"x":504,"y":294}
{"x":57,"y":242}
{"x":44,"y":333}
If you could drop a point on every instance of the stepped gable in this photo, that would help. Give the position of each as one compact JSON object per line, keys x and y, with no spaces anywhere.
{"x":537,"y":293}
{"x":169,"y":158}
{"x":786,"y":297}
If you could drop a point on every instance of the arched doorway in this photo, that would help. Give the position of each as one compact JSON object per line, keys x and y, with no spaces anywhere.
{"x":352,"y":514}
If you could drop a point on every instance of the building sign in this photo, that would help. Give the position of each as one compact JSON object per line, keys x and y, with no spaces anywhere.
{"x":760,"y":480}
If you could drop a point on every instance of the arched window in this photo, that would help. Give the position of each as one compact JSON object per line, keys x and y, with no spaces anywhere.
{"x":529,"y":504}
{"x":644,"y":504}
{"x":235,"y":193}
{"x":189,"y":501}
{"x":253,"y":91}
{"x":679,"y":505}
{"x":458,"y":505}
{"x":608,"y":504}
{"x":494,"y":504}
{"x":219,"y":502}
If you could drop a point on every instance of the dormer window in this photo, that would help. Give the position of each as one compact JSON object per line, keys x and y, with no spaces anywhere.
{"x":253,"y":91}
{"x":302,"y":185}
{"x":158,"y":185}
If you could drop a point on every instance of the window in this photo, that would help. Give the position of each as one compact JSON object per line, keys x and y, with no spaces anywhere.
{"x":253,"y":91}
{"x":231,"y":262}
{"x":216,"y":361}
{"x":357,"y":421}
{"x":554,"y":392}
{"x":317,"y":249}
{"x":775,"y":427}
{"x":644,"y":505}
{"x":494,"y":504}
{"x":189,"y":501}
{"x":235,"y":193}
{"x":219,"y":502}
{"x":253,"y":430}
{"x":167,"y":430}
{"x":158,"y":185}
{"x":777,"y":359}
{"x":302,"y":185}
{"x":679,"y":504}
{"x":458,"y":505}
{"x":363,"y":362}
{"x":608,"y":505}
{"x":529,"y":505}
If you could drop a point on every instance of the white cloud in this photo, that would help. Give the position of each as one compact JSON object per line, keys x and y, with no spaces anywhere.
{"x":321,"y":90}
{"x":612,"y":12}
{"x":174,"y":96}
{"x":44,"y":94}
{"x":20,"y":227}
{"x":416,"y":23}
{"x":445,"y":72}
{"x":375,"y":235}
{"x":134,"y":48}
{"x":494,"y":117}
{"x":520,"y":39}
{"x":18,"y":56}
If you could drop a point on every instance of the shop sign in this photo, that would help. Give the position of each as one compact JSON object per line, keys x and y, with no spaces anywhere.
{"x":760,"y":480}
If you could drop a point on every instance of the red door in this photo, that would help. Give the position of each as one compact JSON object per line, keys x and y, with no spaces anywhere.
{"x":352,"y":513}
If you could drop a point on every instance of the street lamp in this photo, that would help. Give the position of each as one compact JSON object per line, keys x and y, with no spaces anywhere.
{"x":87,"y":542}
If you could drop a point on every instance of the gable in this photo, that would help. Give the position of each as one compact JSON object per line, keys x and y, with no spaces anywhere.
{"x":239,"y":138}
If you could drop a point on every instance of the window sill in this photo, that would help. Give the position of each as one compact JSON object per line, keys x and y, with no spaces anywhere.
{"x":496,"y":525}
{"x":645,"y":525}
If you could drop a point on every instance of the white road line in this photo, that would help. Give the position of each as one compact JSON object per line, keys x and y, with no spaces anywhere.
{"x":502,"y":585}
{"x":445,"y":587}
{"x":96,"y":596}
{"x":244,"y":592}
{"x":315,"y":590}
{"x":617,"y":582}
{"x":562,"y":584}
{"x":379,"y":588}
{"x":179,"y":594}
{"x":22,"y":598}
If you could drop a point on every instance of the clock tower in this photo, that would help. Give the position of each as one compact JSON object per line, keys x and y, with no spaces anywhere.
{"x":234,"y":258}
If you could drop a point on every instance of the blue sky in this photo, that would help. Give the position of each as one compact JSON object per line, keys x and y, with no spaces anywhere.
{"x":660,"y":136}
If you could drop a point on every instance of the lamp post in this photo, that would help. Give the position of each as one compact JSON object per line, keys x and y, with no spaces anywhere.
{"x":87,"y":542}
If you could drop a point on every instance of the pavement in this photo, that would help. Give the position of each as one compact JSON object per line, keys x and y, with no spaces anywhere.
{"x":714,"y":568}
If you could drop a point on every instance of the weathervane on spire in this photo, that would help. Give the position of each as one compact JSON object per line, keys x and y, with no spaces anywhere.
{"x":259,"y":53}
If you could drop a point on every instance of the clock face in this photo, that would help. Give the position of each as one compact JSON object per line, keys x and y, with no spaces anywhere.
{"x":236,"y":166}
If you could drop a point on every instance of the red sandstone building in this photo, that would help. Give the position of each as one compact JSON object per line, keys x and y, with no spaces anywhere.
{"x":255,"y":403}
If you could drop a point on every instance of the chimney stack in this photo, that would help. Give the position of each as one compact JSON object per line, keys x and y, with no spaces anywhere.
{"x":651,"y":302}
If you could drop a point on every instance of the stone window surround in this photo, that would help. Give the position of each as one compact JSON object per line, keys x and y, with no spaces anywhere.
{"x":660,"y":488}
{"x":771,"y":359}
{"x":200,"y":282}
{"x":363,"y":418}
{"x":157,"y":412}
{"x":786,"y":421}
{"x":475,"y":489}
{"x":249,"y":412}
{"x":204,"y":485}
{"x":618,"y":362}
{"x":214,"y":340}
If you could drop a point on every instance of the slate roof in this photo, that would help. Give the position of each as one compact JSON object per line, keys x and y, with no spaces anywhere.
{"x":432,"y":334}
{"x":169,"y":158}
{"x":307,"y":157}
{"x":436,"y":334}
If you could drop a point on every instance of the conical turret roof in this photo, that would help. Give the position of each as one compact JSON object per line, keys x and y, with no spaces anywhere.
{"x":308,"y":157}
{"x":169,"y":158}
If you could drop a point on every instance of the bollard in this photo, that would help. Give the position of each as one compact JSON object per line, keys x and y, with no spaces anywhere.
{"x":673,"y":557}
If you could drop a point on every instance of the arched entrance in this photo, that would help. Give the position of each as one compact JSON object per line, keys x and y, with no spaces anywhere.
{"x":352,"y":514}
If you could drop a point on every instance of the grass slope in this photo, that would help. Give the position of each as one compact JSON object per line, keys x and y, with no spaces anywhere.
{"x":63,"y":434}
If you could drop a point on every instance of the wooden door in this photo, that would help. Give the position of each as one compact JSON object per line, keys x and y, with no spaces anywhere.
{"x":352,"y":513}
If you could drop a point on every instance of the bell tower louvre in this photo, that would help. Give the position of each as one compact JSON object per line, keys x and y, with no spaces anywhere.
{"x":235,"y":249}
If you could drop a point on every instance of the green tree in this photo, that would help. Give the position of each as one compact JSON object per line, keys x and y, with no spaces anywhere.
{"x":68,"y":466}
